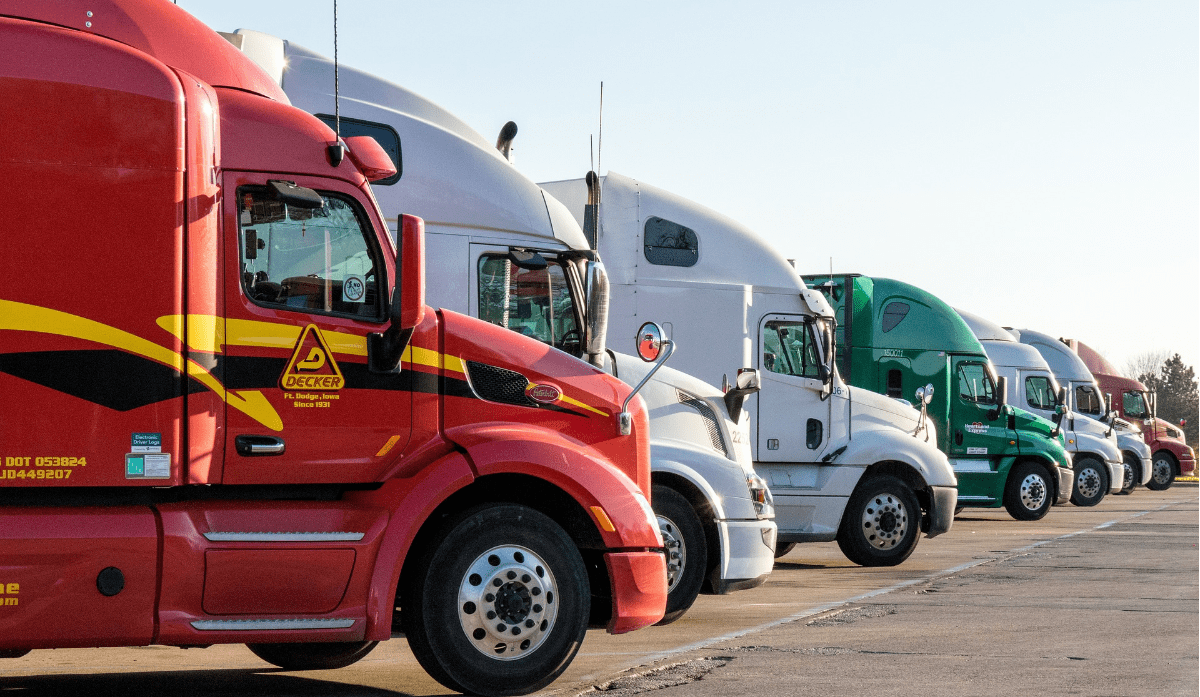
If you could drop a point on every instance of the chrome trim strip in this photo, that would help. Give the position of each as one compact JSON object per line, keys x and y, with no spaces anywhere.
{"x":283,"y":536}
{"x":973,"y":465}
{"x":976,"y":498}
{"x":269,"y":625}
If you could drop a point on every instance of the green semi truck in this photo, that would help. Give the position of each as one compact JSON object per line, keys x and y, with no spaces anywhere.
{"x":894,"y":338}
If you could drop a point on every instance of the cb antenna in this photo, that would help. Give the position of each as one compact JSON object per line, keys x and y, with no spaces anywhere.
{"x":600,"y":139}
{"x":336,"y":151}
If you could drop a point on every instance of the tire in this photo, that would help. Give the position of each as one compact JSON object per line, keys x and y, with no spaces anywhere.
{"x":1133,"y":474}
{"x":471,"y":610}
{"x":687,"y":550}
{"x":882,"y":523}
{"x":313,"y":656}
{"x":1162,"y":476}
{"x":782,"y":549}
{"x":1029,"y":493}
{"x":1091,"y":482}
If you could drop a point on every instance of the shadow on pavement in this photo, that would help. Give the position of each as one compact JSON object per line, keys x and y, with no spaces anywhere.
{"x":192,"y":683}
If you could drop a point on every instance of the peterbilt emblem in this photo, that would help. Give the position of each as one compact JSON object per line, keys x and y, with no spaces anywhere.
{"x":544,"y":394}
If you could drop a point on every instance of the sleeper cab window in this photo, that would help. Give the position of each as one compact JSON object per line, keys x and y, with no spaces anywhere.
{"x":893,"y":314}
{"x":383,"y":134}
{"x":317,"y":260}
{"x":670,"y":244}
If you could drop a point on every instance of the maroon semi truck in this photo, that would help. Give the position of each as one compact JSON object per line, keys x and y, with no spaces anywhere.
{"x":1171,"y":455}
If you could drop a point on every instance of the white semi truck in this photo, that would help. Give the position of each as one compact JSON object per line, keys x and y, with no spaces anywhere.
{"x":501,"y":249}
{"x":1084,"y":398}
{"x":1032,"y":386}
{"x":843,"y":463}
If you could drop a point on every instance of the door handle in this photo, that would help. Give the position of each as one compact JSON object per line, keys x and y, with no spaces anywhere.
{"x":958,"y":437}
{"x":259,"y":445}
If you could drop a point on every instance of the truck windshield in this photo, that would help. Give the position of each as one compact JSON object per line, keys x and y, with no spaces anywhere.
{"x":792,"y":348}
{"x":975,"y":383}
{"x":1087,"y":401}
{"x":311,"y":260}
{"x":537,"y":303}
{"x":1040,"y":392}
{"x":1135,"y":405}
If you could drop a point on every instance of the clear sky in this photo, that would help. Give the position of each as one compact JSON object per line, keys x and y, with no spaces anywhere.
{"x":1036,"y":163}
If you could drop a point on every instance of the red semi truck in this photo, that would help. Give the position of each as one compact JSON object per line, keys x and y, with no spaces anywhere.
{"x":1133,"y":402}
{"x":216,"y":428}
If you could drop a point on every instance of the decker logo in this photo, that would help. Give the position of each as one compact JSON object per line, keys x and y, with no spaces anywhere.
{"x":543,"y":394}
{"x":312,"y":366}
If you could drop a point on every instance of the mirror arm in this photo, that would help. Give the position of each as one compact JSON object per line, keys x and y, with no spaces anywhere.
{"x":625,"y":419}
{"x":734,"y":399}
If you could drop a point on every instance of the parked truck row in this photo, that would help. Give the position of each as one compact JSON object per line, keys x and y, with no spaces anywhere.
{"x":326,"y":367}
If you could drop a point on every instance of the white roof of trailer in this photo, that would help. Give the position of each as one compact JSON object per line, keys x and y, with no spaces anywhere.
{"x":1066,"y":364}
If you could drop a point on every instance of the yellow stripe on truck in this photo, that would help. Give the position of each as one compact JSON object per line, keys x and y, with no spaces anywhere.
{"x":32,"y":318}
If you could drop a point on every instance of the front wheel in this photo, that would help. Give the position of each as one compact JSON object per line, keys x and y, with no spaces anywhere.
{"x":1133,"y":474}
{"x":1028,"y":493}
{"x":882,"y":523}
{"x":313,"y":656}
{"x":498,"y":603}
{"x":1163,"y":474}
{"x":1090,"y":482}
{"x":687,"y":550}
{"x":782,"y":548}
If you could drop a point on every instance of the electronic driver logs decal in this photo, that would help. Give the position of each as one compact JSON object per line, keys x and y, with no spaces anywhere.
{"x":312,"y":366}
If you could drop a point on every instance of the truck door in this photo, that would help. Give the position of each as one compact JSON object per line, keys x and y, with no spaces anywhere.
{"x":977,"y":441}
{"x":304,"y":287}
{"x":796,"y":411}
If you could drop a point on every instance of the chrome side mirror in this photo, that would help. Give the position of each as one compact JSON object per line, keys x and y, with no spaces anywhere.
{"x":650,"y":345}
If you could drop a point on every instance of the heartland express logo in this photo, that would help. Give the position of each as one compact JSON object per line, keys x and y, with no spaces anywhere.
{"x":977,"y":428}
{"x":312,"y":366}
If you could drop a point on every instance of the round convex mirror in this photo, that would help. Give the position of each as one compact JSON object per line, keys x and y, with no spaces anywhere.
{"x":649,"y":341}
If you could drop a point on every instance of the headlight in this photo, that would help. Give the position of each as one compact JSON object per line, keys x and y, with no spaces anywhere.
{"x":760,"y":496}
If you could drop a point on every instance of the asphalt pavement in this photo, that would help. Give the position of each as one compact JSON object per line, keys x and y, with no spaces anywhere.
{"x":1086,"y":601}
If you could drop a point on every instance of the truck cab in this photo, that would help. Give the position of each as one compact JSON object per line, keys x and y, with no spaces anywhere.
{"x":1172,"y":456}
{"x":897,"y":339}
{"x":235,"y":419}
{"x":826,"y":449}
{"x":503,"y":250}
{"x":1084,"y":398}
{"x":1094,"y":451}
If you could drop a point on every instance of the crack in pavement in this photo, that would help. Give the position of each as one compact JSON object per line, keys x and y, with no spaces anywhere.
{"x":845,"y":616}
{"x":659,"y":678}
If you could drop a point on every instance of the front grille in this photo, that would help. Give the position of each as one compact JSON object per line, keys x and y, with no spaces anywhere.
{"x":709,"y":416}
{"x":498,"y":385}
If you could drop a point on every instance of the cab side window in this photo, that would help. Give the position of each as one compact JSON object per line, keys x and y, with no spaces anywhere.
{"x":975,"y":385}
{"x":788,"y":349}
{"x":1087,"y":401}
{"x":1135,"y":406}
{"x":310,"y":260}
{"x":1039,"y":392}
{"x":536,"y":303}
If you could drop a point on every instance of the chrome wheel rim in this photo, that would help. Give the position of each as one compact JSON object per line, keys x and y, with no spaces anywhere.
{"x":1128,"y":481}
{"x":1088,"y":482}
{"x":507,"y":602}
{"x":1162,"y":470}
{"x":1033,"y":492}
{"x":676,"y":551}
{"x":884,"y":521}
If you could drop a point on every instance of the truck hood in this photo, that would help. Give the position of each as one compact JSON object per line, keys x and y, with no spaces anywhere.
{"x":676,"y":416}
{"x":872,"y":407}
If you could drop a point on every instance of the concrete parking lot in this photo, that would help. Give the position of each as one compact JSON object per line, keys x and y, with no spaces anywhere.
{"x":1087,"y":601}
